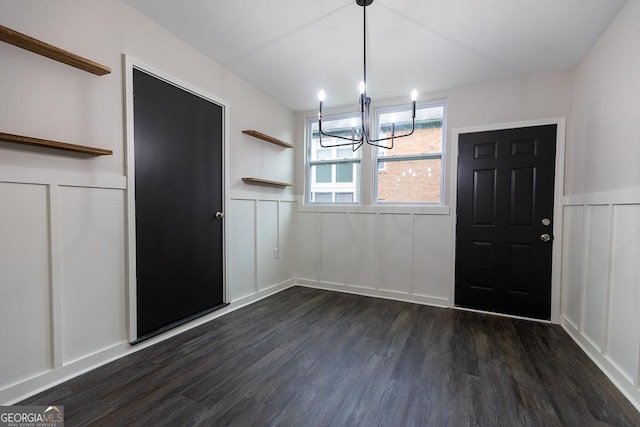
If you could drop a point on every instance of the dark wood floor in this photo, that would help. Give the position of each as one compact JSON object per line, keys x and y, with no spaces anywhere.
{"x":306,"y":357}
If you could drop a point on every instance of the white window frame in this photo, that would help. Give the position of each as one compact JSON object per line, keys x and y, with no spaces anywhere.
{"x":336,"y":186}
{"x":409,"y":157}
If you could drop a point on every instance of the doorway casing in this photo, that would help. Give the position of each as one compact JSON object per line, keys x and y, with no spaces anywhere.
{"x":130,"y":64}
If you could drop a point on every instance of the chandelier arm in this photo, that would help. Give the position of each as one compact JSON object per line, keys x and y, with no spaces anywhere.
{"x":386,"y":147}
{"x":392,"y":137}
{"x":352,"y":141}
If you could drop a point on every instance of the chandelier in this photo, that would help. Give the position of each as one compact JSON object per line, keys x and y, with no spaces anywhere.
{"x":363,"y":134}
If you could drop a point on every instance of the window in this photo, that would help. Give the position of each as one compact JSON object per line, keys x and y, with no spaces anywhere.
{"x":333,"y":174}
{"x":412,"y":171}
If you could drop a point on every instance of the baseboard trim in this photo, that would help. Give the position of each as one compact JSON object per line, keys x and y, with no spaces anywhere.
{"x":377,"y":293}
{"x":493,"y":313}
{"x":34,"y":385}
{"x":618,"y":379}
{"x":41,"y":382}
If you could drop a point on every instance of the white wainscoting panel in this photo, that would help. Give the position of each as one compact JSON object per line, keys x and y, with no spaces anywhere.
{"x":362,"y":250}
{"x":256,"y":227}
{"x":62,"y":275}
{"x":399,"y":253}
{"x":242,"y":243}
{"x":266,"y":241}
{"x":432,"y":256}
{"x":333,"y":248}
{"x":92,"y":270}
{"x":286,"y":238}
{"x":306,"y":241}
{"x":573,"y":263}
{"x":601,"y":282}
{"x":395,"y":268}
{"x":624,"y":322}
{"x":25,"y":306}
{"x":596,"y":274}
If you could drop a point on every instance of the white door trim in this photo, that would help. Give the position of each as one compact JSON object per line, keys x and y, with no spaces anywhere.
{"x":556,"y":263}
{"x":130,"y":64}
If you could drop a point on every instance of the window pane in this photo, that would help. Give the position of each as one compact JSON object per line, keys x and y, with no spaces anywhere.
{"x":342,"y":178}
{"x":323,"y":154}
{"x":409,"y":181}
{"x":344,"y":172}
{"x":345,"y":153}
{"x":344,"y":197}
{"x":323,"y":197}
{"x":427,"y":137}
{"x":323,"y":173}
{"x":340,"y":126}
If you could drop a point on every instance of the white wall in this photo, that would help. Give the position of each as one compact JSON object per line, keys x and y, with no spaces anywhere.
{"x":405,"y":253}
{"x":601,"y":272}
{"x":604,"y":151}
{"x":62,"y":215}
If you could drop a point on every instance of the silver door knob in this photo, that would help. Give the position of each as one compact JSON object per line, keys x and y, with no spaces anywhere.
{"x":545,"y":237}
{"x":219,"y":215}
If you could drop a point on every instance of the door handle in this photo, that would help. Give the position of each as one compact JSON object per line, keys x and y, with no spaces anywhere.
{"x":219,"y":215}
{"x":545,"y":237}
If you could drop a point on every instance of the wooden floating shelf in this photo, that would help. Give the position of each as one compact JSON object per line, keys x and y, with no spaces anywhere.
{"x":27,"y":140}
{"x":260,"y":181}
{"x":23,"y":41}
{"x":264,"y":137}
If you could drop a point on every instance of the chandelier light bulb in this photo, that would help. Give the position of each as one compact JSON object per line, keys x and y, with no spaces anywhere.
{"x":361,"y":87}
{"x":414,"y":96}
{"x":321,"y":95}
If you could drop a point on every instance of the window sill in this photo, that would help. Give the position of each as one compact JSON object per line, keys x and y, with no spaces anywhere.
{"x":396,"y":209}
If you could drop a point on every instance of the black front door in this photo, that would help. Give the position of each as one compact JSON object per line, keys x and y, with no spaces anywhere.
{"x":178,"y":188}
{"x":505,"y":220}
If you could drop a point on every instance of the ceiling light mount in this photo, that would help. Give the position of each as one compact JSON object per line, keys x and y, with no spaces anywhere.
{"x":363,"y":134}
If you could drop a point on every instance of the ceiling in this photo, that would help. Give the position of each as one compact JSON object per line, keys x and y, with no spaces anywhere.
{"x":293,"y":48}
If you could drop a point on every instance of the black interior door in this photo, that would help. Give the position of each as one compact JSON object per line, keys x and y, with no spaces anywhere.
{"x":504,"y":216}
{"x":178,"y":188}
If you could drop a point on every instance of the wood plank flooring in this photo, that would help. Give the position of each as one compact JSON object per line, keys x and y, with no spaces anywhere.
{"x":306,"y":357}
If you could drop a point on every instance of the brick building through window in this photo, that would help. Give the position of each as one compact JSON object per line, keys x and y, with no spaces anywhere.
{"x":413,"y":181}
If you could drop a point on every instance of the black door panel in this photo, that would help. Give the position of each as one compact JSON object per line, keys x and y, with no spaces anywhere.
{"x":178,"y":187}
{"x":505,"y":190}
